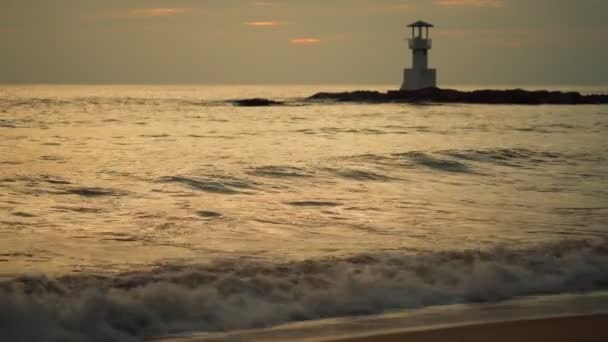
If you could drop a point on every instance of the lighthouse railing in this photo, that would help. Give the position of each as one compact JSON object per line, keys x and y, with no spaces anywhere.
{"x":420,"y":43}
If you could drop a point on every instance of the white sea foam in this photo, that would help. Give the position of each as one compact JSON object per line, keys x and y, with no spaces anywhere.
{"x":242,"y":294}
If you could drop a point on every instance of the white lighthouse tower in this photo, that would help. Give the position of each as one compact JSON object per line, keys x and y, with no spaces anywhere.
{"x":419,"y":76}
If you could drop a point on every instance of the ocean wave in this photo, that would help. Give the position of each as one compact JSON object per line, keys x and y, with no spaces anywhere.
{"x":7,"y":123}
{"x":360,"y":175}
{"x":47,"y":184}
{"x":240,"y":293}
{"x":94,"y":192}
{"x":363,"y":175}
{"x":507,"y":157}
{"x":474,"y":160}
{"x":275,"y":171}
{"x":434,"y":162}
{"x":217,"y":184}
{"x":313,"y":204}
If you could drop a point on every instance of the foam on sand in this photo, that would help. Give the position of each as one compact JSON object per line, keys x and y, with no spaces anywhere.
{"x":546,"y":318}
{"x":241,"y":294}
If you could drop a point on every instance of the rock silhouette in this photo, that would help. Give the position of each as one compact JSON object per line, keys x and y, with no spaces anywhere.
{"x":437,"y":95}
{"x":256,"y":102}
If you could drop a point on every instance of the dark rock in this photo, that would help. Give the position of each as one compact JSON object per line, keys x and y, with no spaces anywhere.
{"x":355,"y":96}
{"x":256,"y":102}
{"x":437,"y":95}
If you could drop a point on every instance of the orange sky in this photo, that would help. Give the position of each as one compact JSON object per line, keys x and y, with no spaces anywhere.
{"x":294,"y":41}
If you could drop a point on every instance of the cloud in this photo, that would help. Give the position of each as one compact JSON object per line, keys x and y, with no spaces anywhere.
{"x":474,"y":3}
{"x":263,"y":23}
{"x":305,"y":41}
{"x":158,"y":12}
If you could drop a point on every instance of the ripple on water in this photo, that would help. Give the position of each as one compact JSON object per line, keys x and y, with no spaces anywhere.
{"x":465,"y":161}
{"x":508,"y":157}
{"x":22,"y":214}
{"x":279,"y":171}
{"x":219,"y":184}
{"x":363,"y":175}
{"x":84,"y":210}
{"x":164,"y":135}
{"x":435,"y":163}
{"x":7,"y":123}
{"x":208,"y":214}
{"x":94,"y":192}
{"x":313,"y":203}
{"x":52,"y":158}
{"x":51,"y":185}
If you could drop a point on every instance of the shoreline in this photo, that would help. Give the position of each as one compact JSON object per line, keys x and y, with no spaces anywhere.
{"x":557,"y":329}
{"x":555,"y":318}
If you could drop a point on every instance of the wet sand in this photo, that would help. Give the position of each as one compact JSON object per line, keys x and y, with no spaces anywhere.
{"x":557,"y":318}
{"x":587,"y":328}
{"x":563,"y":329}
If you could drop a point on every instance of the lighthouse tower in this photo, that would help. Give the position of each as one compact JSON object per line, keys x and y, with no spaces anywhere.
{"x":419,"y":76}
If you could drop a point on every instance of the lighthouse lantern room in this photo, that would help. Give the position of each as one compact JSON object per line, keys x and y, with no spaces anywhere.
{"x":419,"y":76}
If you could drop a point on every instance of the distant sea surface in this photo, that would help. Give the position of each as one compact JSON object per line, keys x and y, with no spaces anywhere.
{"x":135,"y":211}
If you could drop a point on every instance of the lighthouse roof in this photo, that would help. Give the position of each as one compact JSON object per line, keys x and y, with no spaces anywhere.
{"x":420,"y":23}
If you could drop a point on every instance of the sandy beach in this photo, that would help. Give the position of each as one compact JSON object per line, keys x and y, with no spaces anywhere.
{"x":545,"y":318}
{"x":563,"y":329}
{"x":586,"y":328}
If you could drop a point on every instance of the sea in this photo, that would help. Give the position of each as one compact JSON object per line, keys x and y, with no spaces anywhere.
{"x":133,"y":212}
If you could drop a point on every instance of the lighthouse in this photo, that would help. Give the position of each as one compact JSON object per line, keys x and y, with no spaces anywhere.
{"x":419,"y":76}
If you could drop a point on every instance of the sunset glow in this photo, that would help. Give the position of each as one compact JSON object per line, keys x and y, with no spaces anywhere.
{"x":263,"y":23}
{"x":158,"y":12}
{"x":192,"y":41}
{"x":305,"y":41}
{"x":476,"y":3}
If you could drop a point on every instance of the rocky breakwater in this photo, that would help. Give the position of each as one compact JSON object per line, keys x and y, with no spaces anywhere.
{"x":437,"y":95}
{"x":256,"y":102}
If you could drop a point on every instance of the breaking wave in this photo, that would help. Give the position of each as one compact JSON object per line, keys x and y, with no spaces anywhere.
{"x":240,"y":293}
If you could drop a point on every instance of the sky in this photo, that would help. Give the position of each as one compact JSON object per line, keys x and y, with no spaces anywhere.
{"x":529,"y":42}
